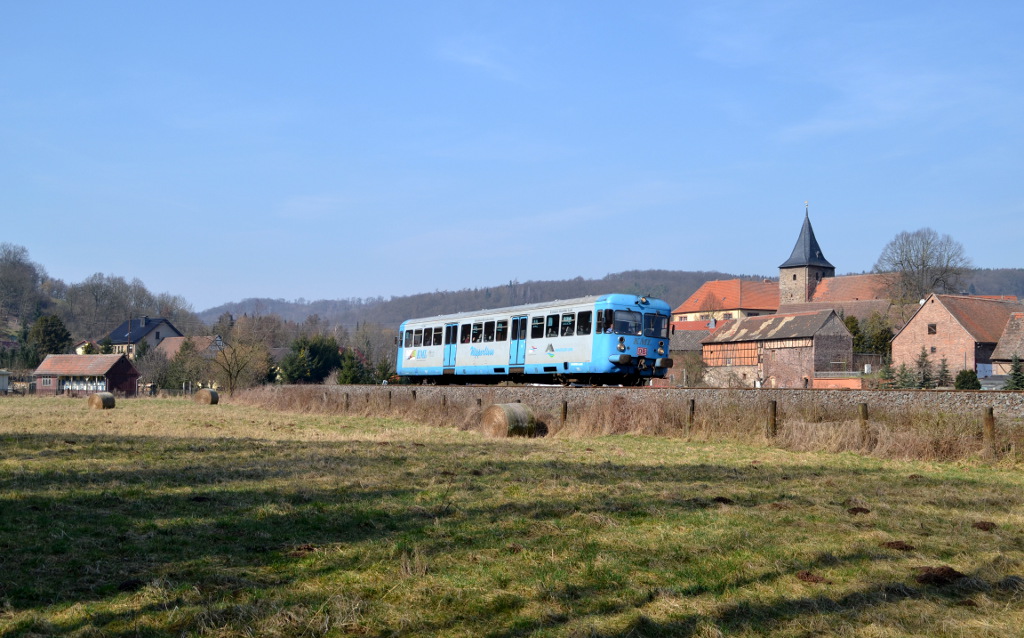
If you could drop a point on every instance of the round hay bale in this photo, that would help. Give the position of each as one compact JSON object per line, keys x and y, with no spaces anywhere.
{"x":206,"y":396}
{"x":503,"y":420}
{"x":101,"y":401}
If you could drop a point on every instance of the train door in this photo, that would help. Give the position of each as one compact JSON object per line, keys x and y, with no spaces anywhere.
{"x":451,"y":341}
{"x":517,"y":342}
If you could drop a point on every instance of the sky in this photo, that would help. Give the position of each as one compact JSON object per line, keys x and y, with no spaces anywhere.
{"x":333,"y":150}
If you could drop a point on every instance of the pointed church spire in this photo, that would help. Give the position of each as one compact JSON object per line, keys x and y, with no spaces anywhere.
{"x":807,"y":252}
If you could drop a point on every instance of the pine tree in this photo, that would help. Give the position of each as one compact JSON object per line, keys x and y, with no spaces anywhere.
{"x":1015,"y":380}
{"x":905,"y":377}
{"x":945,"y":379}
{"x":923,"y":370}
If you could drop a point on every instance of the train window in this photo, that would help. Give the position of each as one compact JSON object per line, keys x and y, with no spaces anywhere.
{"x":605,"y":321}
{"x":551,"y":327}
{"x":464,"y":335}
{"x":438,"y":336}
{"x":451,"y":334}
{"x":417,"y":339}
{"x":583,"y":322}
{"x":478,"y":331}
{"x":488,"y":331}
{"x":501,"y":331}
{"x":655,"y":326}
{"x":408,"y":339}
{"x":537,"y":328}
{"x":568,"y":324}
{"x":628,"y":322}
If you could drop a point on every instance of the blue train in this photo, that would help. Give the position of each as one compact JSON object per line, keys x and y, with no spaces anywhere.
{"x":606,"y":339}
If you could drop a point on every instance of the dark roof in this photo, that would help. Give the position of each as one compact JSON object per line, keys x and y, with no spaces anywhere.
{"x":687,"y":340}
{"x":862,"y":309}
{"x":79,"y":365}
{"x":770,"y":327}
{"x":807,"y":252}
{"x":138,"y":329}
{"x":1012,"y":341}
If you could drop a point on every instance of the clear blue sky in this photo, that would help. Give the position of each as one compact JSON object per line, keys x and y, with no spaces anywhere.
{"x":324,"y":150}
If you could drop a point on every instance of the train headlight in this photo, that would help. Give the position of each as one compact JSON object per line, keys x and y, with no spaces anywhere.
{"x":622,"y":344}
{"x":661,"y":348}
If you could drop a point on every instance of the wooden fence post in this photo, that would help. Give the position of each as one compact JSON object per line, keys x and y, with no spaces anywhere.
{"x":444,"y":400}
{"x":772,"y":427}
{"x":479,"y":402}
{"x":691,"y":410}
{"x":565,"y":412}
{"x":988,"y":434}
{"x":389,"y":399}
{"x":862,"y":417}
{"x":414,"y":395}
{"x":346,"y":402}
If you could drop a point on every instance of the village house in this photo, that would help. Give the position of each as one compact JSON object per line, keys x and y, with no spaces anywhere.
{"x":779,"y":351}
{"x":728,"y":299}
{"x":126,"y":337}
{"x":86,"y":374}
{"x":205,"y":345}
{"x":1011,"y":344}
{"x":962,"y":330}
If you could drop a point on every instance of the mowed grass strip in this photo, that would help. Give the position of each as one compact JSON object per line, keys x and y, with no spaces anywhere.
{"x":163,"y":517}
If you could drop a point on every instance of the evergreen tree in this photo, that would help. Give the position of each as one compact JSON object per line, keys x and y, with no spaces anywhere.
{"x":141,"y":349}
{"x":967,"y":380}
{"x":1015,"y":380}
{"x":106,"y":346}
{"x":49,"y":336}
{"x":886,"y":375}
{"x":858,"y":337}
{"x":945,"y":378}
{"x":311,"y":359}
{"x":923,"y":370}
{"x":905,"y":377}
{"x":352,"y":371}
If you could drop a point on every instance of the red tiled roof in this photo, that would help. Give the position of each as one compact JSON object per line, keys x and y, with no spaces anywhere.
{"x":691,"y":325}
{"x":170,"y":346}
{"x":732,"y":294}
{"x":852,"y":288}
{"x":77,"y":365}
{"x":984,"y":319}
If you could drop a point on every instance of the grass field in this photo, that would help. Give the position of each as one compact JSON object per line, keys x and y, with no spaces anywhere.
{"x":168,"y":518}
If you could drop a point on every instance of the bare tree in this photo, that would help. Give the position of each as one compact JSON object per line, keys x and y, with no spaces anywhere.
{"x":922,"y":262}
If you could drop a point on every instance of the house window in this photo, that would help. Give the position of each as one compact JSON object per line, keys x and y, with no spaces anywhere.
{"x":933,"y":349}
{"x":158,"y":335}
{"x":794,"y":277}
{"x":727,"y":315}
{"x":931,"y":328}
{"x":47,"y":381}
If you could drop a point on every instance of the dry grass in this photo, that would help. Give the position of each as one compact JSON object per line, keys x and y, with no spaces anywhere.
{"x":802,"y":425}
{"x":166,"y":517}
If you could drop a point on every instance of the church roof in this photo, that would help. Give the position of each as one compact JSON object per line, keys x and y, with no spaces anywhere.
{"x":807,"y":252}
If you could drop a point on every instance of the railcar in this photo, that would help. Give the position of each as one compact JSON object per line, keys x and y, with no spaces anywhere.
{"x":606,"y":339}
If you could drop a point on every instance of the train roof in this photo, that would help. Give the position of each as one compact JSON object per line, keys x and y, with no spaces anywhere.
{"x":556,"y":303}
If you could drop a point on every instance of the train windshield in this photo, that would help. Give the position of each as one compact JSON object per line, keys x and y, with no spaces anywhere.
{"x":656,"y":326}
{"x":627,"y":322}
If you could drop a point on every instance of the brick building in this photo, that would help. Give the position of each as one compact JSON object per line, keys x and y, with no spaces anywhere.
{"x":962,"y":330}
{"x":778,"y":351}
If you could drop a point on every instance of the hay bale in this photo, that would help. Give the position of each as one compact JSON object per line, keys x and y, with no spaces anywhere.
{"x":101,"y":401}
{"x":503,"y":420}
{"x":206,"y":396}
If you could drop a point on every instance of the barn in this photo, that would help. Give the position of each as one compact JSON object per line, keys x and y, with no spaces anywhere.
{"x":86,"y":374}
{"x":778,"y":351}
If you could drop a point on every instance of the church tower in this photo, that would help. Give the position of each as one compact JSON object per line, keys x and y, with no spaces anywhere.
{"x":800,"y":274}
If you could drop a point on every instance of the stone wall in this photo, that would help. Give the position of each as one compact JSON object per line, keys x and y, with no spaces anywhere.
{"x":835,"y":404}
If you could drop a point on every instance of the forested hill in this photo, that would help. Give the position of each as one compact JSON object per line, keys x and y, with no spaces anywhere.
{"x":673,"y":286}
